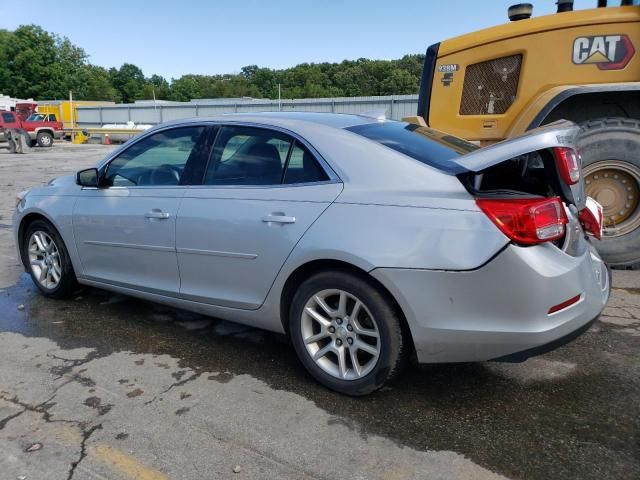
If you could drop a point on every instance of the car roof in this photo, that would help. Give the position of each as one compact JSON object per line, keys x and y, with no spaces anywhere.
{"x":368,"y":170}
{"x":285,"y":119}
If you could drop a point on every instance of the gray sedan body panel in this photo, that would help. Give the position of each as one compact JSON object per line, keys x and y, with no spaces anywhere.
{"x":461,"y":284}
{"x":557,"y":134}
{"x":54,"y":202}
{"x":402,"y":237}
{"x":501,"y":308}
{"x":112,"y":223}
{"x":229,"y":251}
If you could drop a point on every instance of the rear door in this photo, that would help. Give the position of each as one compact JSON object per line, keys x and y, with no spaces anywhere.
{"x":262,"y":190}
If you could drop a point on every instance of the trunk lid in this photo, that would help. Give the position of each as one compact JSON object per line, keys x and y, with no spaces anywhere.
{"x":523,"y":165}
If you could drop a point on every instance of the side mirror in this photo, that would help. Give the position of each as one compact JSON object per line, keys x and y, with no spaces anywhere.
{"x":87,"y":177}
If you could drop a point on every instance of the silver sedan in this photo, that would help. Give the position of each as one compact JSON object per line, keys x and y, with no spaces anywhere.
{"x":368,"y":242}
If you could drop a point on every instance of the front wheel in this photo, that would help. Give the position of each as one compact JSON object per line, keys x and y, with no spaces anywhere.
{"x":346,"y":332}
{"x":44,"y":139}
{"x":48,"y":260}
{"x":610,"y":150}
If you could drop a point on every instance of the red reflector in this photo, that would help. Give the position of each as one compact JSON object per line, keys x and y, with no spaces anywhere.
{"x":527,"y":221}
{"x":591,"y":218}
{"x":565,"y":304}
{"x":568,"y":164}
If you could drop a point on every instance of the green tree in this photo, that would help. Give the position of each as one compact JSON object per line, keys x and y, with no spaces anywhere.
{"x":39,"y":64}
{"x":399,"y":82}
{"x":6,"y":85}
{"x":128,"y":81}
{"x":95,"y":84}
{"x":185,"y":88}
{"x":160,"y":86}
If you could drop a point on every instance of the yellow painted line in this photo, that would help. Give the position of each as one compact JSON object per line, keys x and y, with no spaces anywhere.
{"x":129,"y":466}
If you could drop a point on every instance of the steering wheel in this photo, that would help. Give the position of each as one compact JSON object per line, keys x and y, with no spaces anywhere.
{"x":165,"y":175}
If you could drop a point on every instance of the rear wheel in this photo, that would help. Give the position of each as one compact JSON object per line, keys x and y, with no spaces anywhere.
{"x":44,"y":139}
{"x":48,"y":260}
{"x":346,"y":332}
{"x":610,"y":150}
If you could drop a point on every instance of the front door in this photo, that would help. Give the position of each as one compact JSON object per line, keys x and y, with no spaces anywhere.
{"x":125,"y":230}
{"x":263,"y":191}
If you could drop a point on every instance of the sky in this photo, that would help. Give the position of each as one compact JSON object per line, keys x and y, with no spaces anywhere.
{"x":172,"y":38}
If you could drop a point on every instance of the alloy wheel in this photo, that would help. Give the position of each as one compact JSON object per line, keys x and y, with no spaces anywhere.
{"x":44,"y":258}
{"x":340,"y":334}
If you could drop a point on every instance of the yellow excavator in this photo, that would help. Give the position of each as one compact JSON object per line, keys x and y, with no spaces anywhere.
{"x":579,"y":65}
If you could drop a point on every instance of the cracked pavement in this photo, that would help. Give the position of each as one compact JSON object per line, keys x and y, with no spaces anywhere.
{"x":103,"y":386}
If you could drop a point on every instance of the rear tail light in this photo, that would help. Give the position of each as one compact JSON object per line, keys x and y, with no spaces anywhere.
{"x":526,"y":221}
{"x":591,"y":218}
{"x":568,"y":164}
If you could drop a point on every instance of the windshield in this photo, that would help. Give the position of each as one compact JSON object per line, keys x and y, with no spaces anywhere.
{"x":36,"y":117}
{"x":426,"y":145}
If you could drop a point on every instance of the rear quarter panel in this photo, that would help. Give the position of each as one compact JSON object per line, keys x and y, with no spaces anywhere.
{"x":373,"y":236}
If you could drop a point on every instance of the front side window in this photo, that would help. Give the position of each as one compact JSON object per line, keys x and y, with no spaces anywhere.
{"x":158,"y":160}
{"x":8,"y":117}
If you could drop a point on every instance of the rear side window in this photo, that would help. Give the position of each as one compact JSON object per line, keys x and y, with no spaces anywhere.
{"x":426,"y":145}
{"x":302,"y":167}
{"x":259,"y":156}
{"x":8,"y":117}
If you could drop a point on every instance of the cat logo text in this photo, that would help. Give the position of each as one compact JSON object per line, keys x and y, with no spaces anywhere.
{"x":608,"y":52}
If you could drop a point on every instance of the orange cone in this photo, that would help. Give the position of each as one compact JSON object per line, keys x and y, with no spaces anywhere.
{"x":106,"y":139}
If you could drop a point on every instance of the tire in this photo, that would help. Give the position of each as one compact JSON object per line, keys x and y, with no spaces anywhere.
{"x":375,"y":313}
{"x":610,"y":147}
{"x":44,"y":139}
{"x":57,"y":260}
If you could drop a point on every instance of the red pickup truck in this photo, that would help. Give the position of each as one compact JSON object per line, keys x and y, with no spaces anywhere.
{"x":42,"y":129}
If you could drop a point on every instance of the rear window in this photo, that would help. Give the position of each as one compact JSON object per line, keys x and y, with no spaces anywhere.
{"x":426,"y":145}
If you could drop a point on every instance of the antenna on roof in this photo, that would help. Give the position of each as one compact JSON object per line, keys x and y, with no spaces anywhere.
{"x":380,"y":114}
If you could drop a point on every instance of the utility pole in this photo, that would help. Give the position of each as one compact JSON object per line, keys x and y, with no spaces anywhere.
{"x":279,"y":99}
{"x":72,"y":113}
{"x":155,"y":107}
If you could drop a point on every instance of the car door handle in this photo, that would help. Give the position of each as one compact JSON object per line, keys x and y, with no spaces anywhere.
{"x":278,"y":219}
{"x":157,"y":214}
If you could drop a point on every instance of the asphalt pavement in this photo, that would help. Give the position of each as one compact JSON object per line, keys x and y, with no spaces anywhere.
{"x":103,"y":386}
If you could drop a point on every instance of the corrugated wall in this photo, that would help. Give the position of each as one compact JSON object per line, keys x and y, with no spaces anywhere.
{"x":396,"y":106}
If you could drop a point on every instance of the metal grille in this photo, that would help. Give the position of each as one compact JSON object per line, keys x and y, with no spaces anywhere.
{"x":490,"y":87}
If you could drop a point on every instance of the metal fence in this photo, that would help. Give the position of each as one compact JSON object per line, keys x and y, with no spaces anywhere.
{"x":396,"y":106}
